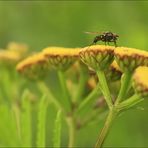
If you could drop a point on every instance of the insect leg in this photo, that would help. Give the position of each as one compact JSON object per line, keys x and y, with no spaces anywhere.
{"x":115,"y":43}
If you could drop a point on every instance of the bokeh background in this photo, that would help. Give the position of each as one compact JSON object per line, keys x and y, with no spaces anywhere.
{"x":63,"y":23}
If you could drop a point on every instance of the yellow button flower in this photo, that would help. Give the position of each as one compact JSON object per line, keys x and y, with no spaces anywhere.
{"x":61,"y":58}
{"x":140,"y":79}
{"x":97,"y":57}
{"x":130,"y":58}
{"x":8,"y":56}
{"x":34,"y":67}
{"x":19,"y":48}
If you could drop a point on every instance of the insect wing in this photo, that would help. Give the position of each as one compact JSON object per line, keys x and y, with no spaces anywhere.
{"x":87,"y":32}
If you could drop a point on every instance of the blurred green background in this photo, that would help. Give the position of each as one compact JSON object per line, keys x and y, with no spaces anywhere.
{"x":43,"y":23}
{"x":61,"y":23}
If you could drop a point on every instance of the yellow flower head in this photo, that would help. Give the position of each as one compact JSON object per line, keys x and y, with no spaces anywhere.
{"x":114,"y":72}
{"x":97,"y":56}
{"x":19,"y":48}
{"x":130,"y":58}
{"x":61,"y":58}
{"x":33,"y":67}
{"x":140,"y":79}
{"x":8,"y":56}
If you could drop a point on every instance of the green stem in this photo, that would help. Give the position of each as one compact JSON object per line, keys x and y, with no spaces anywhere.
{"x":125,"y":85}
{"x":17,"y":118}
{"x":67,"y":102}
{"x":104,"y":88}
{"x":43,"y":88}
{"x":135,"y":99}
{"x":87,"y":101}
{"x":81,"y":85}
{"x":72,"y":130}
{"x":104,"y":132}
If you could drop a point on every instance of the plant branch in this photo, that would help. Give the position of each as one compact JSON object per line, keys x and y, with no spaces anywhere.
{"x":125,"y":85}
{"x":86,"y":102}
{"x":104,"y":132}
{"x":46,"y":90}
{"x":104,"y":88}
{"x":72,"y":130}
{"x":130,"y":102}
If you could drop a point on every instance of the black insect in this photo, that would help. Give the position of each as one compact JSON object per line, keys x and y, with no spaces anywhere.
{"x":105,"y":37}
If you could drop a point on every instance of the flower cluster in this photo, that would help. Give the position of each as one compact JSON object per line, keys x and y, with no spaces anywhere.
{"x":37,"y":65}
{"x":107,"y":64}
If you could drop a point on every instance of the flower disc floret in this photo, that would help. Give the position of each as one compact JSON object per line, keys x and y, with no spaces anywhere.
{"x":97,"y":57}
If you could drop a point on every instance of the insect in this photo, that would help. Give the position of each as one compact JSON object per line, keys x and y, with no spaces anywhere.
{"x":105,"y":37}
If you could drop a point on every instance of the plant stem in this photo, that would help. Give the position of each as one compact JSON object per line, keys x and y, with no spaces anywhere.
{"x":81,"y":85}
{"x":125,"y":85}
{"x":104,"y":88}
{"x":57,"y":130}
{"x":16,"y":111}
{"x":71,"y":125}
{"x":111,"y":116}
{"x":43,"y":88}
{"x":88,"y":99}
{"x":67,"y":102}
{"x":130,"y":102}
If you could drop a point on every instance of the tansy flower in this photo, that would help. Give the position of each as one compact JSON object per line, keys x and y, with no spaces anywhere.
{"x":18,"y":48}
{"x":33,"y":67}
{"x":61,"y":58}
{"x":8,"y":56}
{"x":130,"y":58}
{"x":140,"y":79}
{"x":97,"y":57}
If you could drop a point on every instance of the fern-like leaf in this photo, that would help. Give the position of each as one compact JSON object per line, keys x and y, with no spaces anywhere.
{"x":57,"y":130}
{"x":42,"y":122}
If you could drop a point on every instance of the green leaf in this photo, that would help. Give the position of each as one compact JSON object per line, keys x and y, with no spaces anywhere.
{"x":26,"y":132}
{"x":57,"y":130}
{"x":42,"y":122}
